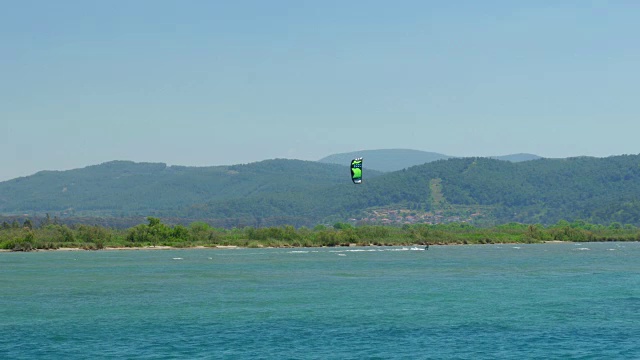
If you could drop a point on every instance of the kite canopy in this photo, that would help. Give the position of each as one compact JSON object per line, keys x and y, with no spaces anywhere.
{"x":356,"y":170}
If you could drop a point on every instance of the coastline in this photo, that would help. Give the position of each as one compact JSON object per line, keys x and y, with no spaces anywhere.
{"x":231,"y":247}
{"x":124,"y":248}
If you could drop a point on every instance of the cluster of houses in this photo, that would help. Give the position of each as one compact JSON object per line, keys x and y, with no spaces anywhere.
{"x":406,"y":216}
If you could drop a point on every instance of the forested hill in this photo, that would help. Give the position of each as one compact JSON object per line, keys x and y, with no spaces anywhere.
{"x":397,"y":159}
{"x":545,"y":190}
{"x":599,"y":190}
{"x":125,"y":188}
{"x":276,"y":192}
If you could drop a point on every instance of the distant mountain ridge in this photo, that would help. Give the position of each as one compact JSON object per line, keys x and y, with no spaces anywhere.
{"x":397,"y":159}
{"x":479,"y":190}
{"x":517,"y":157}
{"x":127,"y":188}
{"x":296,"y":192}
{"x":386,"y":159}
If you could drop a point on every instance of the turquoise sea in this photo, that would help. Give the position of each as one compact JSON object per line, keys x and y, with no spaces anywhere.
{"x":543,"y":301}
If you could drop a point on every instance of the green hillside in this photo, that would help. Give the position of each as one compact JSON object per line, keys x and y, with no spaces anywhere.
{"x":483,"y":191}
{"x":546,"y":190}
{"x":124,"y":188}
{"x":540,"y":191}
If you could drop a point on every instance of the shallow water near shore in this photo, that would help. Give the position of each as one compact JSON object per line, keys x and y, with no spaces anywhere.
{"x":539,"y":301}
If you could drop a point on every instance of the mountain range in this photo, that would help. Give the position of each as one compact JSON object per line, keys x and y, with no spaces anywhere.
{"x":306,"y":193}
{"x":398,"y":159}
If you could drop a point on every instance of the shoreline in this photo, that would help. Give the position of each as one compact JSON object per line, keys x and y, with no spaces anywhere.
{"x":231,"y":247}
{"x":124,"y":248}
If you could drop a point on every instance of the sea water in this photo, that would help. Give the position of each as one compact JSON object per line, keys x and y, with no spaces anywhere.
{"x":542,"y":301}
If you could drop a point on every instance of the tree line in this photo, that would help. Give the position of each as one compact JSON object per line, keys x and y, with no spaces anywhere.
{"x":25,"y":236}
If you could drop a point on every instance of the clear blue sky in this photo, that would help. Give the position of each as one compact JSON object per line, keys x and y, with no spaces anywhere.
{"x":225,"y":82}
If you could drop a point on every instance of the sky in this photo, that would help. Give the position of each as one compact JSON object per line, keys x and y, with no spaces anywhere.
{"x":202,"y":83}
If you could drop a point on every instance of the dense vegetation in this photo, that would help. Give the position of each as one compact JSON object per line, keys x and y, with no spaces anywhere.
{"x":27,"y":237}
{"x":539,"y":191}
{"x":124,"y":188}
{"x":480,"y":191}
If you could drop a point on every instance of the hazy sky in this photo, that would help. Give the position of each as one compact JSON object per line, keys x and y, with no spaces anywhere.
{"x":227,"y":82}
